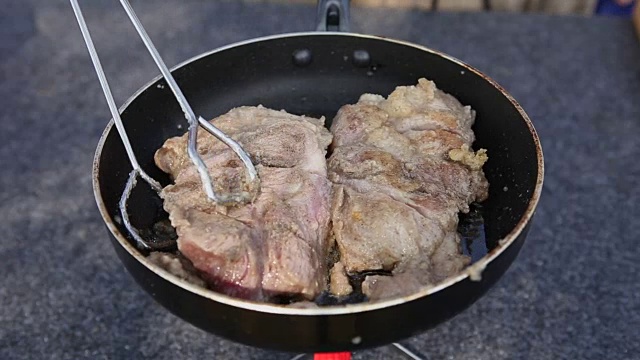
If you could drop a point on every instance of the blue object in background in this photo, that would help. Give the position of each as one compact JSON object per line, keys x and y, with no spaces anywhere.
{"x":610,"y":7}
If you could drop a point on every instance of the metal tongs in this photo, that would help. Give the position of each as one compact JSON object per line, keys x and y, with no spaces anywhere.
{"x":223,"y":199}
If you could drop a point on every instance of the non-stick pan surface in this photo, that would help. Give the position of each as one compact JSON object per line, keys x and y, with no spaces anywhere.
{"x":315,"y":74}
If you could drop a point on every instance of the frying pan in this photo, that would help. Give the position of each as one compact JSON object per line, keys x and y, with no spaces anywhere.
{"x":315,"y":73}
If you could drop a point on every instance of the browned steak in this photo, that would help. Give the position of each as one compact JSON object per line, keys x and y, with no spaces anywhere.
{"x":402,"y":171}
{"x":276,"y":245}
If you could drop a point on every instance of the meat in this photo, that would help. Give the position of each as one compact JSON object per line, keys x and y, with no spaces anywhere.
{"x":386,"y":201}
{"x":275,"y":246}
{"x":339,"y":285}
{"x":402,"y":169}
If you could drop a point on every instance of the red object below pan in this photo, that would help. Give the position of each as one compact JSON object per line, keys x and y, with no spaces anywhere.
{"x":332,"y":356}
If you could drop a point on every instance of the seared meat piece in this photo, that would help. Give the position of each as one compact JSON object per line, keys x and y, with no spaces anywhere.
{"x":402,"y":171}
{"x":385,"y":287}
{"x":339,"y":285}
{"x":276,"y":245}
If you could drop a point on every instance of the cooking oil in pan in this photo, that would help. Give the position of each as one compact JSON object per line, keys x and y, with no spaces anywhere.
{"x":471,"y":230}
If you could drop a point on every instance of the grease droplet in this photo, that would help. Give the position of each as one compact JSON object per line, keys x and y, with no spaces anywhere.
{"x":302,"y":57}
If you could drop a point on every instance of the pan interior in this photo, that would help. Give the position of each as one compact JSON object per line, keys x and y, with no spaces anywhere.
{"x":265,"y":73}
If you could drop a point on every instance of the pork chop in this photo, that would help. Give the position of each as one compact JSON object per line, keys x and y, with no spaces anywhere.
{"x":276,"y":245}
{"x":403,"y":169}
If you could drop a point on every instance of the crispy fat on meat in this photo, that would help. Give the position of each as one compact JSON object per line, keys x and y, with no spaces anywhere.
{"x":276,"y":245}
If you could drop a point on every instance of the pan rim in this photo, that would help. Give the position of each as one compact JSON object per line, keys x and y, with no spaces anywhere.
{"x":328,"y":310}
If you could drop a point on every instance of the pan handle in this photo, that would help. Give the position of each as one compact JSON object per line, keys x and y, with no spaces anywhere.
{"x":333,"y":15}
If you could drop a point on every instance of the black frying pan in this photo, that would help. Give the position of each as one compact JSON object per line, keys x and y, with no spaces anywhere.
{"x":315,"y":74}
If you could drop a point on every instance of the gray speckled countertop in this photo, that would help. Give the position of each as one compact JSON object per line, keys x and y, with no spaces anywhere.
{"x":573,"y":293}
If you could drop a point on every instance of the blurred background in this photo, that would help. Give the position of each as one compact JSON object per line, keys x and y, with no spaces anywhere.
{"x":580,"y":7}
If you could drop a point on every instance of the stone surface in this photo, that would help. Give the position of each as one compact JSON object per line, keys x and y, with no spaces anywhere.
{"x":573,"y":293}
